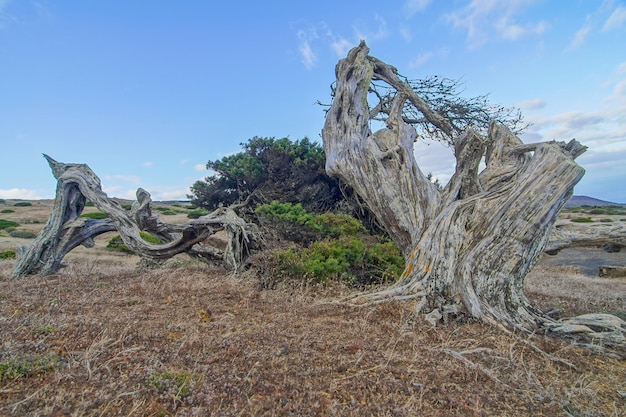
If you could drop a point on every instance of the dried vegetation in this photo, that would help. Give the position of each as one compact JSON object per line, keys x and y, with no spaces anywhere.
{"x":103,"y":338}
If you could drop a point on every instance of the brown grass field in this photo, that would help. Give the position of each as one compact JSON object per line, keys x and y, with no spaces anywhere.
{"x":102,"y":338}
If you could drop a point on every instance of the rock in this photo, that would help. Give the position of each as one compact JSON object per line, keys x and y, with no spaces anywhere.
{"x":612,"y":271}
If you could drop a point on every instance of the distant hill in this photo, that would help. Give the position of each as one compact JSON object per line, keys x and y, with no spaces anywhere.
{"x":583,"y":200}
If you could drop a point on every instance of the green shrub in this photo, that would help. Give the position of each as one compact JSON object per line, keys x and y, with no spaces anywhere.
{"x":98,"y":215}
{"x":8,"y":254}
{"x":174,"y":384}
{"x":22,"y":234}
{"x":127,"y":206}
{"x":195,"y":214}
{"x":116,"y":243}
{"x":3,"y":201}
{"x":4,"y":224}
{"x":582,"y":220}
{"x":150,"y":238}
{"x":7,"y":211}
{"x":606,"y":220}
{"x":293,"y":213}
{"x":24,"y":368}
{"x":349,"y":259}
{"x":23,"y":204}
{"x":294,"y":223}
{"x":89,"y":204}
{"x":335,"y":225}
{"x":339,"y":247}
{"x":166,"y":211}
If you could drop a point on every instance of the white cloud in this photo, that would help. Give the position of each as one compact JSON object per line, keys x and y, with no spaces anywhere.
{"x":307,"y":54}
{"x":171,"y":193}
{"x":199,"y":167}
{"x":619,"y":92}
{"x":305,"y":37}
{"x":341,"y":46}
{"x":124,"y":178}
{"x":147,"y":164}
{"x":532,"y":104}
{"x":414,"y":6}
{"x":511,"y":31}
{"x":21,"y":193}
{"x":380,"y":32}
{"x":487,"y":19}
{"x":579,"y":38}
{"x":405,"y":32}
{"x":421,"y":59}
{"x":616,"y":20}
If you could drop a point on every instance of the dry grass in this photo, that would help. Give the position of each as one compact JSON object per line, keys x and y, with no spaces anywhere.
{"x":193,"y":340}
{"x":101,"y":338}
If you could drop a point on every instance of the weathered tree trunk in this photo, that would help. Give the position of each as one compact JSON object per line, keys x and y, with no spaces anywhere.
{"x":469,"y":246}
{"x":65,"y":230}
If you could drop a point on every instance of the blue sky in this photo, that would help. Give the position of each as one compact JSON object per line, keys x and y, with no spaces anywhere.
{"x":146,"y":92}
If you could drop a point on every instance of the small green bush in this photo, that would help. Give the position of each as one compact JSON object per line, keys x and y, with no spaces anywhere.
{"x":150,"y":238}
{"x":127,"y":206}
{"x":582,"y":220}
{"x":23,"y":204}
{"x":98,"y":215}
{"x":8,"y":254}
{"x":22,"y":234}
{"x":117,"y":244}
{"x":175,"y":384}
{"x":3,"y":201}
{"x":7,"y":211}
{"x":166,"y":211}
{"x":4,"y":224}
{"x":24,"y":368}
{"x":606,"y":220}
{"x":89,"y":204}
{"x":195,"y":214}
{"x":349,"y":259}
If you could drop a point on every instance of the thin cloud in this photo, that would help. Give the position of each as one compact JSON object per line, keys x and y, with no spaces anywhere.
{"x":617,"y":19}
{"x":415,"y":6}
{"x":308,"y":56}
{"x":478,"y":18}
{"x":511,"y":31}
{"x":21,"y":194}
{"x":579,"y":38}
{"x":533,"y":104}
{"x":306,"y":36}
{"x":380,"y":32}
{"x":421,"y":59}
{"x":341,"y":46}
{"x":125,"y":178}
{"x":619,"y":92}
{"x":199,"y":167}
{"x":147,"y":164}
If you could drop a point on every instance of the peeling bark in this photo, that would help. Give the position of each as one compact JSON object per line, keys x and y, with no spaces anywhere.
{"x":65,"y":230}
{"x":469,"y":246}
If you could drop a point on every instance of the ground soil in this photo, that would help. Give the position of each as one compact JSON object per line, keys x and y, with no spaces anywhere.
{"x":103,"y":338}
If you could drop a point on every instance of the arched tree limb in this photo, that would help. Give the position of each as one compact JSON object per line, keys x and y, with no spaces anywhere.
{"x":77,"y":183}
{"x":468,"y":247}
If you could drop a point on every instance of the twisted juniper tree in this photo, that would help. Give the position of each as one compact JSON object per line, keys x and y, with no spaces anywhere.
{"x":469,"y":245}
